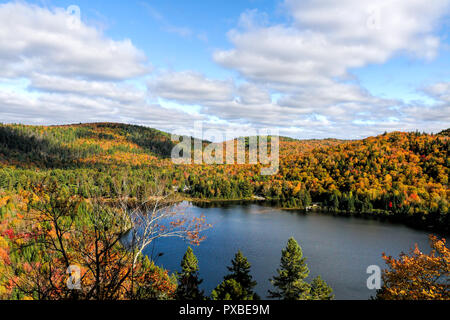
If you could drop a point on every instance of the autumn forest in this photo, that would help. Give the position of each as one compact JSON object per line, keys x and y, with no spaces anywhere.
{"x":68,"y":194}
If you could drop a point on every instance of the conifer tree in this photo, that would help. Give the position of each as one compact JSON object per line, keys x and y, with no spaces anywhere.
{"x":239,"y":284}
{"x":230,"y":290}
{"x":188,"y":278}
{"x":290,"y":282}
{"x":320,"y":290}
{"x":240,"y":271}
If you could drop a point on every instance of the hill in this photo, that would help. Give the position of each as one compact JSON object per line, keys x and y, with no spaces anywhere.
{"x":75,"y":145}
{"x":398,"y":174}
{"x":445,"y":133}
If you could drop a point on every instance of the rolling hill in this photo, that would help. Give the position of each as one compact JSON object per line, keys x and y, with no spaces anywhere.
{"x":394,"y":174}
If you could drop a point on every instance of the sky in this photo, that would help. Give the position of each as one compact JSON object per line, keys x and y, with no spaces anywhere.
{"x":308,"y":68}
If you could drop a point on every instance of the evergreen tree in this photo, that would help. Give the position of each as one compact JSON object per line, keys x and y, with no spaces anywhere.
{"x":320,"y":290}
{"x":239,"y":284}
{"x":335,"y":201}
{"x":230,"y":290}
{"x":351,"y":203}
{"x":188,"y":278}
{"x":240,"y":271}
{"x":290,"y":282}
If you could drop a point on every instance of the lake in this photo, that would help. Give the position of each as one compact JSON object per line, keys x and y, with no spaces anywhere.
{"x":338,"y":248}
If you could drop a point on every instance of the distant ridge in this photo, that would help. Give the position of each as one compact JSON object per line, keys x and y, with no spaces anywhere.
{"x":445,"y":133}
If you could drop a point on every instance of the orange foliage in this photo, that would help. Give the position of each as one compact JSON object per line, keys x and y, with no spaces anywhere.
{"x":418,"y":276}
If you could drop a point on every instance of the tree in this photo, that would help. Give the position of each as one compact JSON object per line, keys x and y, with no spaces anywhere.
{"x":156,"y":218}
{"x":154,"y":283}
{"x":239,"y":284}
{"x":65,"y":233}
{"x":320,"y":290}
{"x":290,"y":282}
{"x":188,"y":278}
{"x":84,"y":237}
{"x":230,"y":290}
{"x":418,"y":276}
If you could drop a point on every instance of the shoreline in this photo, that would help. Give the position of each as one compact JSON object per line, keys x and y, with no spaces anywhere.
{"x":376,"y":214}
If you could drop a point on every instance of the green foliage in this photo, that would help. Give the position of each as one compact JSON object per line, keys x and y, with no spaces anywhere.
{"x":71,"y":231}
{"x":239,"y":284}
{"x":156,"y":281}
{"x":188,"y":278}
{"x":240,"y":271}
{"x":230,"y":290}
{"x":320,"y":290}
{"x":290,"y":281}
{"x":399,"y":175}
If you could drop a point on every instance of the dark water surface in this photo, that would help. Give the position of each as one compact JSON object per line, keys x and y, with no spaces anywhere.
{"x":338,"y":248}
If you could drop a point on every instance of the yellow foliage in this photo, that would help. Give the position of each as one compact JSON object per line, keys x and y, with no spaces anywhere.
{"x":418,"y":276}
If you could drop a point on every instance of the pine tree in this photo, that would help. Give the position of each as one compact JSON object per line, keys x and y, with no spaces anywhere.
{"x":320,"y":290}
{"x":351,"y":203}
{"x":290,"y":281}
{"x":335,"y":202}
{"x":239,"y":284}
{"x":230,"y":290}
{"x":188,"y":278}
{"x":240,"y":271}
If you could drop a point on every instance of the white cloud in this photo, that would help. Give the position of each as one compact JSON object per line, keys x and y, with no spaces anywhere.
{"x":36,"y":39}
{"x":438,"y":112}
{"x":56,"y":70}
{"x":251,"y":94}
{"x":308,"y":61}
{"x":190,"y":88}
{"x":439,"y":91}
{"x":294,"y":76}
{"x":328,"y":38}
{"x":110,"y":90}
{"x":58,"y":108}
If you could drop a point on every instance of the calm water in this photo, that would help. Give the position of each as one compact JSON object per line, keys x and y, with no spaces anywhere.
{"x":338,"y":248}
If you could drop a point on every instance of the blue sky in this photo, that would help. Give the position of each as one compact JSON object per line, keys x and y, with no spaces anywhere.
{"x":174,"y":34}
{"x":166,"y":64}
{"x":182,"y":35}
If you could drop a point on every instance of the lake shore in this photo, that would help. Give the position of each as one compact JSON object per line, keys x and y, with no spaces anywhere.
{"x":375,"y":214}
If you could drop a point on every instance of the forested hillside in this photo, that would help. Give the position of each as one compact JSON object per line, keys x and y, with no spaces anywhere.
{"x":396,"y":174}
{"x":60,"y":177}
{"x":78,"y":145}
